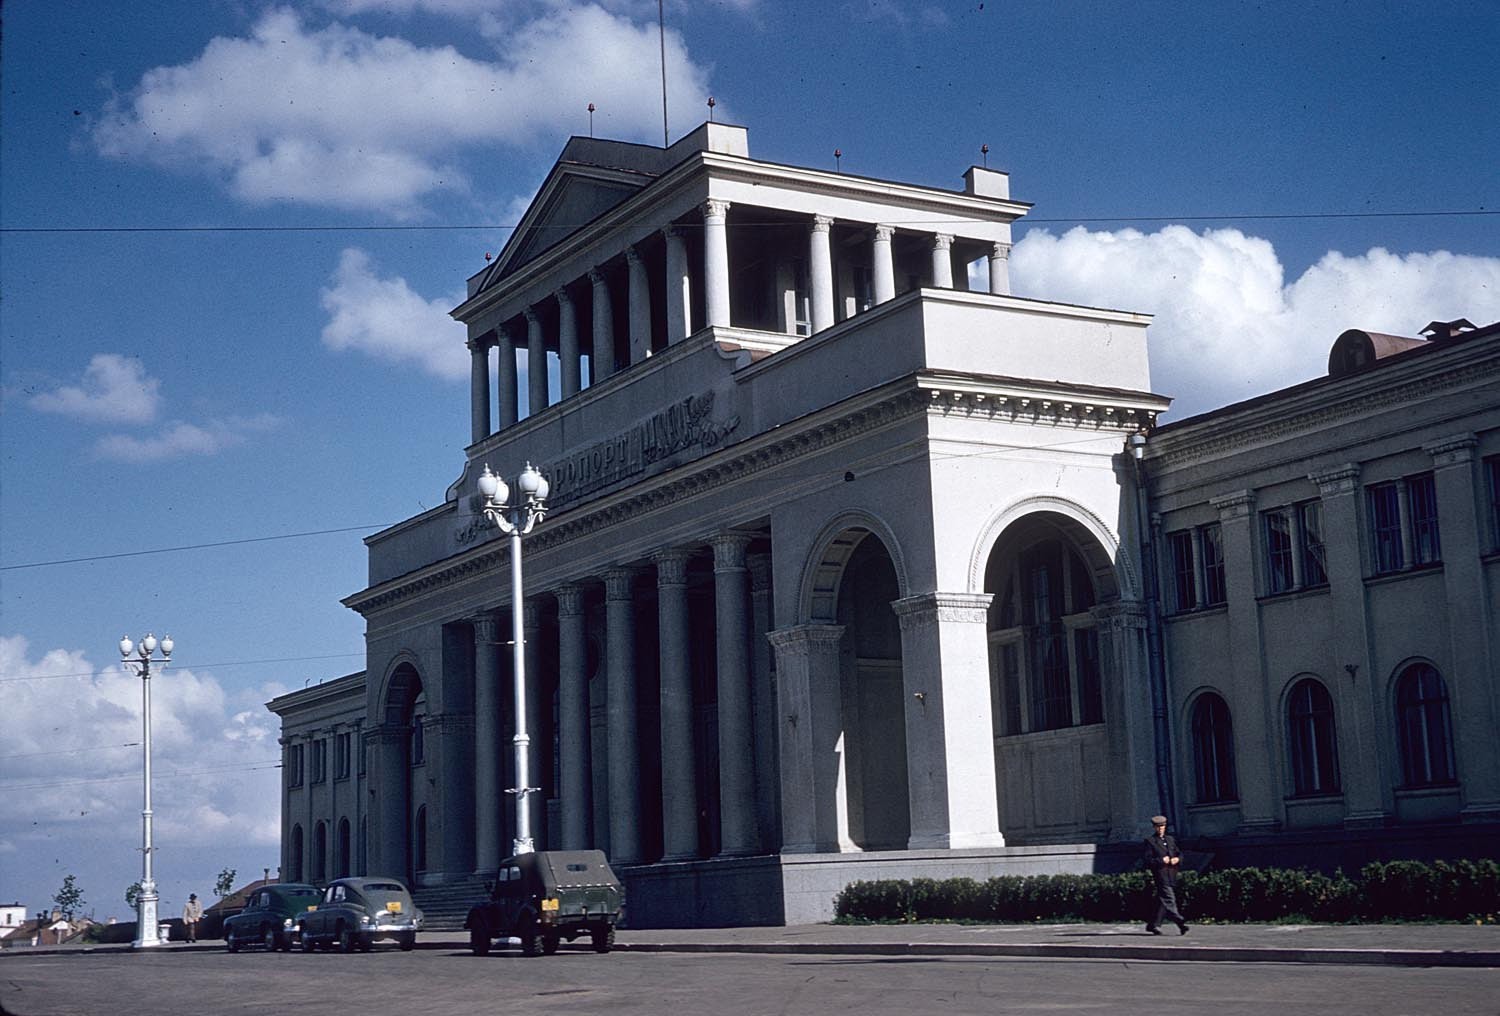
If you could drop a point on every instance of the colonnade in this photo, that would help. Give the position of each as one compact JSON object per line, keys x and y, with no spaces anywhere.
{"x":529,"y":329}
{"x":741,"y":582}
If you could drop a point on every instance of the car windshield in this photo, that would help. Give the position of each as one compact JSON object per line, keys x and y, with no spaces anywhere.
{"x":386,"y":896}
{"x":299,"y":895}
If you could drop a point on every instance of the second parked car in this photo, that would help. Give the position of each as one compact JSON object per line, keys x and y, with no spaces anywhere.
{"x":270,"y":916}
{"x":356,"y":912}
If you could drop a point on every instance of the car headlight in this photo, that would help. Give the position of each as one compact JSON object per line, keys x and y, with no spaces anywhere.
{"x":287,"y":924}
{"x":365,"y":919}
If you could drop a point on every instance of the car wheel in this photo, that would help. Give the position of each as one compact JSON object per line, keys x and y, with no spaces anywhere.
{"x":604,"y":939}
{"x":346,"y":939}
{"x":304,"y":940}
{"x":479,"y":940}
{"x":531,"y":942}
{"x":366,"y":943}
{"x":269,"y":938}
{"x":550,"y":942}
{"x":230,"y":942}
{"x":407,"y":941}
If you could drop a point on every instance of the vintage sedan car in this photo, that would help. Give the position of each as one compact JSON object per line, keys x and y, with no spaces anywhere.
{"x":543,"y":898}
{"x":355,"y":912}
{"x":270,"y":916}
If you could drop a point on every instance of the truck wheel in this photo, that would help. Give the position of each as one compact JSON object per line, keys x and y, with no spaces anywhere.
{"x":604,"y":939}
{"x":531,"y":942}
{"x":479,"y":940}
{"x":550,"y":941}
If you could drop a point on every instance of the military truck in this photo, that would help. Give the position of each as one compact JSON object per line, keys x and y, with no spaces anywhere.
{"x":545,"y":897}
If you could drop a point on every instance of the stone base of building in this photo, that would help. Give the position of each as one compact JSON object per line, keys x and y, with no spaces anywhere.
{"x":790,"y":889}
{"x":1352,"y":848}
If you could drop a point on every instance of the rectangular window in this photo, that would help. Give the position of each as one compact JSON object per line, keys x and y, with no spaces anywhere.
{"x":1214,"y":591}
{"x":1492,"y":475}
{"x":294,"y":765}
{"x":1051,"y":690}
{"x":1385,"y":527}
{"x":1278,"y":535}
{"x":1314,"y":549}
{"x":1184,"y":579}
{"x":341,"y":757}
{"x":319,"y":760}
{"x":1007,"y":704}
{"x":1422,"y":493}
{"x":1090,"y":692}
{"x":364,"y":756}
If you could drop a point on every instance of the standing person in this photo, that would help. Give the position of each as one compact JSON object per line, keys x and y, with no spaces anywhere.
{"x":191,"y":915}
{"x":1164,"y":861}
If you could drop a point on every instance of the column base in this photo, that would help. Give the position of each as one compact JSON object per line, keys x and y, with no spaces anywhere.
{"x":1367,"y":820}
{"x":678,"y":858}
{"x":955,"y":841}
{"x":1259,"y":827}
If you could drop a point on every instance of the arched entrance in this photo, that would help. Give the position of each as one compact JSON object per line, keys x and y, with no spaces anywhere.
{"x":403,"y":759}
{"x":1050,"y":677}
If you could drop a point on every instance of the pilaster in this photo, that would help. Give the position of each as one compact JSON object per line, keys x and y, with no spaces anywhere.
{"x":810,"y":725}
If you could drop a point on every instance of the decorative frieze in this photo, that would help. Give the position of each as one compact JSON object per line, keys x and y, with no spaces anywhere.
{"x":1337,"y":481}
{"x":937,"y":608}
{"x":1042,"y":410}
{"x":1237,"y":505}
{"x":1457,"y":450}
{"x":806,"y":639}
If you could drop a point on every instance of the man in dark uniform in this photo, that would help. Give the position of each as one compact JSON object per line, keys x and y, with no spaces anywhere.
{"x":1164,"y":861}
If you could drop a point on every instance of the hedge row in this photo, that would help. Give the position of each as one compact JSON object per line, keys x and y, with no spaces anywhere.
{"x":1408,"y":890}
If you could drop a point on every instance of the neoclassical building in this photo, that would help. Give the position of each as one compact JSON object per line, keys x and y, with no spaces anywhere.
{"x":843,"y":574}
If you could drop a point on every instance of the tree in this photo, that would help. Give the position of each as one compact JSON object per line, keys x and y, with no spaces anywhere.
{"x":68,"y":899}
{"x":132,"y":892}
{"x":225,"y":885}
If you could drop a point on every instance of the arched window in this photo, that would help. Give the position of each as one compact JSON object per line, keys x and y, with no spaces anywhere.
{"x":1313,"y":741}
{"x":1213,"y":750}
{"x":418,"y":737}
{"x":320,"y":852}
{"x":419,"y":839}
{"x":294,"y":859}
{"x":1424,"y":728}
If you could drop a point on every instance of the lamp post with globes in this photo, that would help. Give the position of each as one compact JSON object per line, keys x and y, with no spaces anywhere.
{"x":138,"y":660}
{"x":516,"y":518}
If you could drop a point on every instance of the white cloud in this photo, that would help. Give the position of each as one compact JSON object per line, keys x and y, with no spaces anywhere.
{"x":114,"y":389}
{"x":385,"y":318}
{"x":71,"y":777}
{"x":1227,"y":324}
{"x":180,"y":438}
{"x":338,"y":117}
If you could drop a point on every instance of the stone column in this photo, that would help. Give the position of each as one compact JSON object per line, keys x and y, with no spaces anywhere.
{"x":624,"y":756}
{"x":536,"y":364}
{"x":736,"y":738}
{"x":820,"y":272}
{"x":811,"y":725}
{"x":506,"y":355}
{"x":479,"y":389}
{"x":567,"y":343}
{"x":679,"y":286}
{"x":950,"y":736}
{"x":679,"y":778}
{"x":488,"y":799}
{"x":573,"y":718}
{"x":538,"y":715}
{"x":763,"y":697}
{"x":942,"y":261}
{"x":388,"y":808}
{"x":640,"y":306}
{"x":1471,"y":691}
{"x":1000,"y":268}
{"x":602,"y":362}
{"x":1359,"y":720}
{"x":882,"y":264}
{"x":1129,"y":725}
{"x":716,"y":263}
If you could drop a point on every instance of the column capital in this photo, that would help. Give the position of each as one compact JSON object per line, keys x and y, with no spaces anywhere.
{"x":1456,"y":450}
{"x":480,"y":343}
{"x":569,"y":597}
{"x":1342,"y":479}
{"x":729,"y":550}
{"x":633,"y":257}
{"x":387,"y":734}
{"x":942,"y":241}
{"x":672,"y":231}
{"x":760,"y":572}
{"x":597,"y":277}
{"x":883,"y":233}
{"x":715,"y":208}
{"x":484,"y":629}
{"x":562,"y":296}
{"x":530,"y":314}
{"x":1119,"y":616}
{"x":619,"y":582}
{"x":1000,"y":251}
{"x":671,"y":566}
{"x":931,"y":608}
{"x":1239,"y":504}
{"x":531,"y":614}
{"x":806,"y":639}
{"x":822,"y":223}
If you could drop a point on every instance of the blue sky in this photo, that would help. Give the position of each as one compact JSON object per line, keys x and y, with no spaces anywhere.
{"x":200,"y":341}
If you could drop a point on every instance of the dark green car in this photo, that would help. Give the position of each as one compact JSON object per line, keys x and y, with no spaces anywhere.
{"x":544,"y":898}
{"x":270,"y":916}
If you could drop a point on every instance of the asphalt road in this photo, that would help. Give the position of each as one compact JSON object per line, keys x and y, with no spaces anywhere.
{"x":206,"y":983}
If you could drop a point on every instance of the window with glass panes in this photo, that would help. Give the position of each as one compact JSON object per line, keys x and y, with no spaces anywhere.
{"x":1313,"y":739}
{"x":1184,"y":569}
{"x":1385,"y":527}
{"x":1426,"y":548}
{"x":1314,"y":548}
{"x":1492,"y":476}
{"x":1213,"y":750}
{"x":1424,"y":728}
{"x":1277,"y":528}
{"x":1215,"y":592}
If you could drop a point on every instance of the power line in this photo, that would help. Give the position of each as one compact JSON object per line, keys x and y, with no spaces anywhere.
{"x":169,"y":774}
{"x":180,"y":665}
{"x":500,"y":226}
{"x":71,"y":751}
{"x":192,"y":546}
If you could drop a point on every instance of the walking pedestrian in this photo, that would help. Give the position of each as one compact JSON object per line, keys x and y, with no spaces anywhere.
{"x":191,"y":915}
{"x":1164,"y":861}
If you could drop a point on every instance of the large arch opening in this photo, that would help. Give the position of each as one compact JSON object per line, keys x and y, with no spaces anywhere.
{"x":403,"y":790}
{"x":1050,"y":678}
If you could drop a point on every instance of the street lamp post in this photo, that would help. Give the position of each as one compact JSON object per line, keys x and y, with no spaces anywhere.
{"x":144,"y":656}
{"x":517,"y":519}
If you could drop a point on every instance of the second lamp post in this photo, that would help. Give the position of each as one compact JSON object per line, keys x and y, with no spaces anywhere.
{"x":517,"y":519}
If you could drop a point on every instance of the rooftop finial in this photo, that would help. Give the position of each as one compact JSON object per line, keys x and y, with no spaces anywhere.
{"x":984,"y":152}
{"x":591,"y":119}
{"x":711,"y":105}
{"x":838,"y":153}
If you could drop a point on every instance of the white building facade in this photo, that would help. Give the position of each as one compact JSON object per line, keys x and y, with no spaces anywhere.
{"x":841,"y":578}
